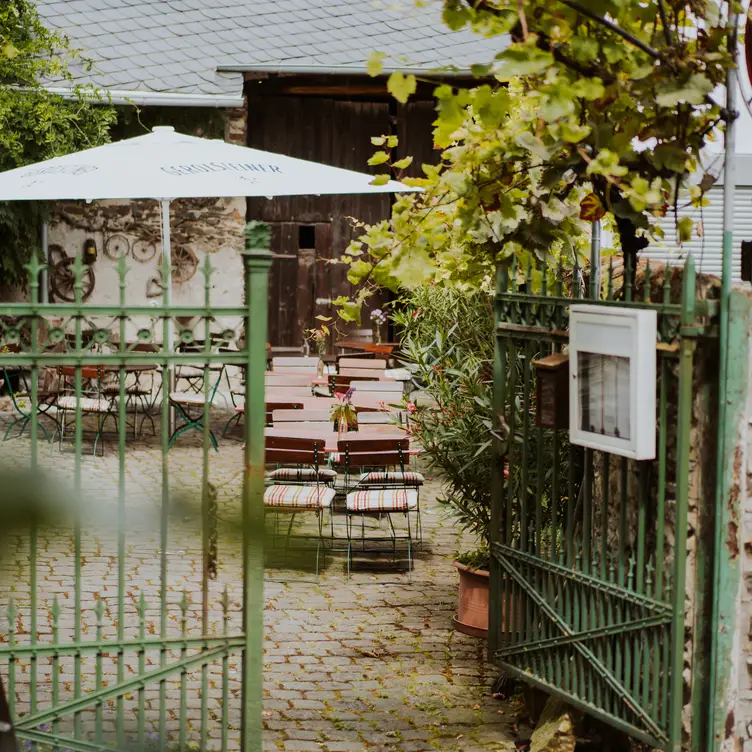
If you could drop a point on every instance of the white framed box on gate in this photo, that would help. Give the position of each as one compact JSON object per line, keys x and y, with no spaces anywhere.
{"x":612,"y":379}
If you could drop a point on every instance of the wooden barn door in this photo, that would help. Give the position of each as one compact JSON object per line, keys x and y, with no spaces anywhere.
{"x":296,"y":280}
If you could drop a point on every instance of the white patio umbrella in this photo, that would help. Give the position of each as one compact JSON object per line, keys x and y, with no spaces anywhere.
{"x":167,"y":165}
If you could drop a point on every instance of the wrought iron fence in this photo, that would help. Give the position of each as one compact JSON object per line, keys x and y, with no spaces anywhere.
{"x":132,"y":620}
{"x":587,"y":593}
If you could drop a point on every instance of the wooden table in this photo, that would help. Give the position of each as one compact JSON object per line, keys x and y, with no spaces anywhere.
{"x":325,"y":431}
{"x":382,"y":348}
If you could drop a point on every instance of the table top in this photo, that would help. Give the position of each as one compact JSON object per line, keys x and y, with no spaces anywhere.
{"x":326,"y":432}
{"x":382,"y":348}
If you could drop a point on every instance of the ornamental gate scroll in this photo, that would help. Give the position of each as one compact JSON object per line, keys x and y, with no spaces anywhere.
{"x":136,"y":622}
{"x":587,"y":594}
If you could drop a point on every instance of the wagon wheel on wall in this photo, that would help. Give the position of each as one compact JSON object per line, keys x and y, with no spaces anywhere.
{"x":144,"y":250}
{"x":184,"y":264}
{"x":63,"y":278}
{"x":116,"y":246}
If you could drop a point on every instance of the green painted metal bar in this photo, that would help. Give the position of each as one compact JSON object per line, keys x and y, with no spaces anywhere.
{"x":94,"y":646}
{"x":115,"y":690}
{"x":592,"y":634}
{"x":78,"y":492}
{"x":258,"y":259}
{"x":34,"y":466}
{"x":183,"y":712}
{"x":587,"y":654}
{"x":141,"y":733}
{"x":55,"y":742}
{"x":55,"y":660}
{"x":580,"y":704}
{"x":498,"y":590}
{"x":682,"y":494}
{"x":205,"y":501}
{"x":165,"y":508}
{"x":225,"y":720}
{"x":99,"y":610}
{"x":86,"y":310}
{"x":614,"y":590}
{"x":122,"y":404}
{"x":117,"y":359}
{"x":11,"y":614}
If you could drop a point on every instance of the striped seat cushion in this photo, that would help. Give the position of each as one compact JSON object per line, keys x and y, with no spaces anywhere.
{"x":87,"y":404}
{"x":382,"y":500}
{"x":304,"y":497}
{"x":302,"y":473}
{"x":388,"y":479}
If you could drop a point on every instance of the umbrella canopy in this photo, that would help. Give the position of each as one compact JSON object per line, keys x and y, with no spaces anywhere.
{"x":168,"y":165}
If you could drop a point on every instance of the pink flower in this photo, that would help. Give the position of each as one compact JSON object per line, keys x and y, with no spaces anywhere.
{"x":411,"y":407}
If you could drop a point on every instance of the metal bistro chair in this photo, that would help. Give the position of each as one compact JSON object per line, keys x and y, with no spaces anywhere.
{"x":48,"y":388}
{"x":190,"y":408}
{"x":92,"y":400}
{"x":377,"y":497}
{"x":299,"y":484}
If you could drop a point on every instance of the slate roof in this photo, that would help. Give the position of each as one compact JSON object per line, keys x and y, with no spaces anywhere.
{"x":176,"y":46}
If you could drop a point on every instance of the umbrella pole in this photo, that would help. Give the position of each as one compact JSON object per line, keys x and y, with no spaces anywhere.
{"x":169,"y":343}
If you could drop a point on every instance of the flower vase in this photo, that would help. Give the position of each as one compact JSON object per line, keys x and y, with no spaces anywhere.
{"x":378,"y":335}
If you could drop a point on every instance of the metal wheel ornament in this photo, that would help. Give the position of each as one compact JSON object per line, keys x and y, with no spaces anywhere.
{"x":63,"y":278}
{"x":144,"y":250}
{"x":116,"y":247}
{"x":184,"y":264}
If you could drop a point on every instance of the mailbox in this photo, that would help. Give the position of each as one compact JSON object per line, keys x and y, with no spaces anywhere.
{"x":552,"y":391}
{"x":612,"y":379}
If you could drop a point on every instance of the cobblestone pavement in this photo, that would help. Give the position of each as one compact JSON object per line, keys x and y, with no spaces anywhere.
{"x":349,"y":665}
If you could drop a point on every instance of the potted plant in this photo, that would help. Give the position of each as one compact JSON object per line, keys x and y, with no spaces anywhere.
{"x":447,"y":344}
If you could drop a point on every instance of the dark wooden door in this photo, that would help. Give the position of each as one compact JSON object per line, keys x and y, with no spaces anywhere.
{"x":298,"y":276}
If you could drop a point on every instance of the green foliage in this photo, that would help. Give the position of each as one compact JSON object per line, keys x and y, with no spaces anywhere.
{"x":35,"y":124}
{"x":447,"y":345}
{"x":613,"y":102}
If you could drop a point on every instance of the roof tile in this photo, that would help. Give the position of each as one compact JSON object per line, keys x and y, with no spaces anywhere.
{"x":176,"y":45}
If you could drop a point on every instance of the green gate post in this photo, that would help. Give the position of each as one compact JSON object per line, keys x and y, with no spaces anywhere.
{"x":495,"y":616}
{"x":258,"y":260}
{"x":734,"y":391}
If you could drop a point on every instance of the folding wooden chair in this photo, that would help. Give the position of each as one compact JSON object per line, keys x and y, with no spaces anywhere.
{"x":299,"y":483}
{"x":378,"y":495}
{"x":92,"y":400}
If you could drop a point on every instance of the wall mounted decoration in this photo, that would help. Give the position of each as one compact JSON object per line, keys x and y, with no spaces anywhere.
{"x":62,"y":281}
{"x":184,"y":264}
{"x":154,"y":288}
{"x":116,"y":246}
{"x":144,"y":250}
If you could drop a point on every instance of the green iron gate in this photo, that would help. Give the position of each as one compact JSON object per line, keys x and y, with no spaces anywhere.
{"x":129,"y":626}
{"x":587,"y":599}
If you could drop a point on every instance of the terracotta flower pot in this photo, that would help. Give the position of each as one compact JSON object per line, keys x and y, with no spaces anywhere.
{"x":472,"y":612}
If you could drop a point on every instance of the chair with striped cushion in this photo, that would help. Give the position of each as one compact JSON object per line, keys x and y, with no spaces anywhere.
{"x":299,"y":484}
{"x":378,"y":499}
